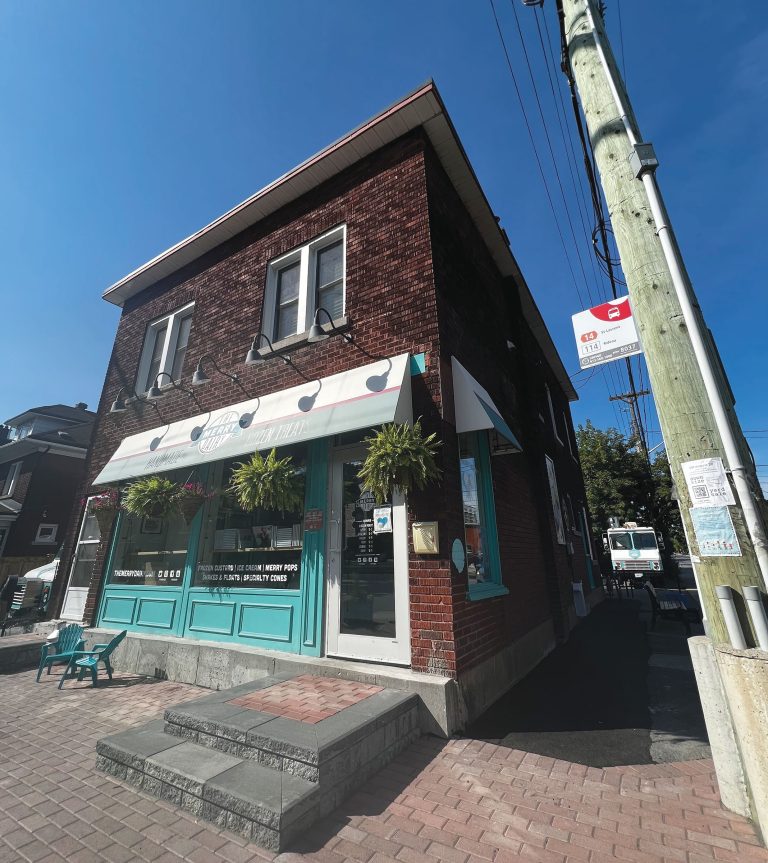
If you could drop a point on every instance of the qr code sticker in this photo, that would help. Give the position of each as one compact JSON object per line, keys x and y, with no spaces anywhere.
{"x":700,"y":492}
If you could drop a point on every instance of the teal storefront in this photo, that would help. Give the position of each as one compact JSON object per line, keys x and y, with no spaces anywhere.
{"x":259,"y":578}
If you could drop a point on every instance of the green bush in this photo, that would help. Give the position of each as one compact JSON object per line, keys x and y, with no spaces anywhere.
{"x":399,"y":457}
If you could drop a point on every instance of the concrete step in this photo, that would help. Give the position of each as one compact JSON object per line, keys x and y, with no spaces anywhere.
{"x":328,"y":750}
{"x":262,"y":805}
{"x":267,"y":777}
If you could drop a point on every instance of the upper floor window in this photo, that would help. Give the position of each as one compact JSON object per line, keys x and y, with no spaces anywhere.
{"x":165,"y":346}
{"x":21,"y":431}
{"x":302,"y":281}
{"x":552,"y":415}
{"x":9,"y":483}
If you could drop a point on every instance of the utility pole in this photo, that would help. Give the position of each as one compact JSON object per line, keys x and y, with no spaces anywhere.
{"x":696,"y":416}
{"x":634,"y":417}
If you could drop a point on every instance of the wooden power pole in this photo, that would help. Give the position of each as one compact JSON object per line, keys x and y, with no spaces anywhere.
{"x":691,"y":422}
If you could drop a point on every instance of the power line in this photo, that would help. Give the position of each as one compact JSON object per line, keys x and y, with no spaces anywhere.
{"x":549,"y":145}
{"x":533,"y":144}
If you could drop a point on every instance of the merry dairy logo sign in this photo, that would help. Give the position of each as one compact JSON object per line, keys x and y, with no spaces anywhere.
{"x":219,"y":431}
{"x":605,"y":333}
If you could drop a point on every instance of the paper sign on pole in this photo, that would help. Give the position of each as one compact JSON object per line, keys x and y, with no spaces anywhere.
{"x":606,"y":333}
{"x":707,"y":482}
{"x":715,"y":534}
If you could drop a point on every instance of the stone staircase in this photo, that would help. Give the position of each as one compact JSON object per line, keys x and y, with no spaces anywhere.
{"x":268,"y":758}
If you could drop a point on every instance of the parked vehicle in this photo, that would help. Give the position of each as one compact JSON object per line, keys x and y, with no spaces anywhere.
{"x":635,"y":553}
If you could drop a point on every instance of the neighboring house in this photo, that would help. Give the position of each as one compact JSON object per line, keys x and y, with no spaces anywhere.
{"x":389,"y":231}
{"x":42,"y":467}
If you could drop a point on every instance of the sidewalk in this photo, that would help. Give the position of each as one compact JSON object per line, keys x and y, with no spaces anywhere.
{"x":459,"y":801}
{"x":613,"y":694}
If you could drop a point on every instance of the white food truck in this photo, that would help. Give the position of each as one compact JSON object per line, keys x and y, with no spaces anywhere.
{"x":634,"y":553}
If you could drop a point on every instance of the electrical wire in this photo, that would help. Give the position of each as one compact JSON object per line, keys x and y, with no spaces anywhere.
{"x":533,"y":144}
{"x":545,"y":127}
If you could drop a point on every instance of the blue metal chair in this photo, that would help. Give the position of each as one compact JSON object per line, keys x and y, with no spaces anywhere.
{"x":70,"y":639}
{"x":88,"y":660}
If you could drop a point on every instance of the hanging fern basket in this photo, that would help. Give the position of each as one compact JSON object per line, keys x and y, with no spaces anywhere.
{"x":152,"y":496}
{"x":401,"y":459}
{"x":270,"y":483}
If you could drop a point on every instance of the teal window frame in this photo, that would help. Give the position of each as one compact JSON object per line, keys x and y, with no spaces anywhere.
{"x":480,"y":450}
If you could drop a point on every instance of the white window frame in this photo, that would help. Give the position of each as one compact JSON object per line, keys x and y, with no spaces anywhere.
{"x":552,"y":415}
{"x":169,"y":347}
{"x":51,"y":540}
{"x":306,"y":256}
{"x":11,"y":480}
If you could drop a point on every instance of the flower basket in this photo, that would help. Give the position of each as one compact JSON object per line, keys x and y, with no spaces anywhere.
{"x":104,"y":508}
{"x":399,"y":457}
{"x":193,"y":496}
{"x":104,"y":518}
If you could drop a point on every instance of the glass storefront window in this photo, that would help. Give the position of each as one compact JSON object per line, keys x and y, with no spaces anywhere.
{"x":259,"y":549}
{"x":480,"y":538}
{"x":150,"y":552}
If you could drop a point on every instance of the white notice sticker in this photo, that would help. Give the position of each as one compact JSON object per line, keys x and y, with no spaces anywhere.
{"x":707,"y":482}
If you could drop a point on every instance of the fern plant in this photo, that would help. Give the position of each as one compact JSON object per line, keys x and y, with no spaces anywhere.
{"x":155,"y":496}
{"x":399,"y":457}
{"x":267,"y":483}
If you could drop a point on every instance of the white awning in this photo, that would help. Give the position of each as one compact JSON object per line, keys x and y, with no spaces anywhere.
{"x":474,"y":408}
{"x":366,"y":396}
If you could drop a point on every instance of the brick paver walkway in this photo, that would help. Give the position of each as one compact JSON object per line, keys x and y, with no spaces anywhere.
{"x":458,"y":801}
{"x":307,"y":698}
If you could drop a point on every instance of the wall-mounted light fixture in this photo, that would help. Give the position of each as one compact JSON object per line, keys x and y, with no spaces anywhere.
{"x":156,"y":393}
{"x":200,"y":377}
{"x":317,"y":333}
{"x":119,"y":405}
{"x":255,"y":358}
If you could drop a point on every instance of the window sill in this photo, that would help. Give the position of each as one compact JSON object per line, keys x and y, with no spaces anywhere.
{"x":298,"y":340}
{"x":486,"y":591}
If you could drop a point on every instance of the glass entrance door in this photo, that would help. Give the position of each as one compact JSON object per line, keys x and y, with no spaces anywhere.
{"x":367,"y":614}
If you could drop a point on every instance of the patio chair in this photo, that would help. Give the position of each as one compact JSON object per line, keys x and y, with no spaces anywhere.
{"x":70,"y":639}
{"x":88,"y":660}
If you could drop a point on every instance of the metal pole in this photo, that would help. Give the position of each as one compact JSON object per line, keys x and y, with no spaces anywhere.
{"x":756,"y":608}
{"x":728,"y":607}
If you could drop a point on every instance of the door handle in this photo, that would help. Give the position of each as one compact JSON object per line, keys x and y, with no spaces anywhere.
{"x":334,"y":534}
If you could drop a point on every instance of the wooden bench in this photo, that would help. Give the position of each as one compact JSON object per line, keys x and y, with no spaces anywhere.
{"x":673,"y":606}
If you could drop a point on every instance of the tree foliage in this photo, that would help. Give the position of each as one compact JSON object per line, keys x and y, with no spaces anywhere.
{"x":619,"y":483}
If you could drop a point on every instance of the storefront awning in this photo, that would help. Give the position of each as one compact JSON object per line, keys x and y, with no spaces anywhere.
{"x":360,"y":398}
{"x":474,"y":408}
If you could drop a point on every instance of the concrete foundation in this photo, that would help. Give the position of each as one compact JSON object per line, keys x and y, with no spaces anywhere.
{"x":744,"y":674}
{"x":484,"y":684}
{"x":447,"y":705}
{"x":720,"y":729}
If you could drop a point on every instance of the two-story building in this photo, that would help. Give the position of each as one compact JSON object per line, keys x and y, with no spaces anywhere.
{"x":42,"y":468}
{"x":370,"y":284}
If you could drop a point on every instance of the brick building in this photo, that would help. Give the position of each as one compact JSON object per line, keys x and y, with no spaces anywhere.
{"x":428,"y":316}
{"x":42,"y":468}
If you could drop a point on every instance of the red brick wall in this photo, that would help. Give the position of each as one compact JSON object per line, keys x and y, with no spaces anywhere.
{"x":478,"y":312}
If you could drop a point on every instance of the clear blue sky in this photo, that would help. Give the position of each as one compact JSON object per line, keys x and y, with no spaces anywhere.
{"x":127,"y":126}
